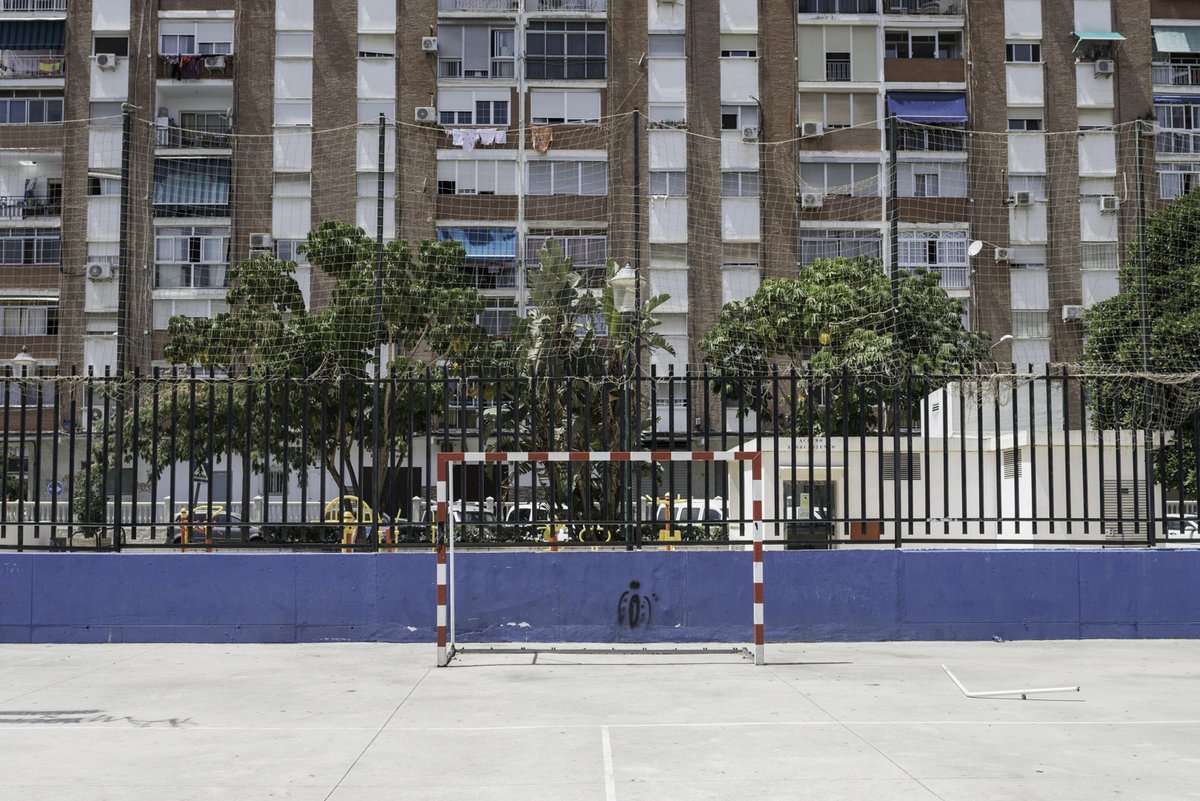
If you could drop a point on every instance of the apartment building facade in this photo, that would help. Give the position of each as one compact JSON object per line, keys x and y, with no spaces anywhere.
{"x":709,"y":144}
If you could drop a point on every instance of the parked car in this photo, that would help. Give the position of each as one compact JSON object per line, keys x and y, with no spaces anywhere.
{"x":221,"y":527}
{"x":1182,"y":527}
{"x":472,"y":522}
{"x":529,"y":521}
{"x":694,"y":519}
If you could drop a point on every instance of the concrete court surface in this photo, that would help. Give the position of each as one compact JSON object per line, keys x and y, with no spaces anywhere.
{"x":356,"y":721}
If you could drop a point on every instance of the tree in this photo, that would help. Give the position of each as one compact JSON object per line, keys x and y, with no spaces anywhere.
{"x":573,"y":351}
{"x":835,"y":323}
{"x":317,"y":404}
{"x":1142,"y":349}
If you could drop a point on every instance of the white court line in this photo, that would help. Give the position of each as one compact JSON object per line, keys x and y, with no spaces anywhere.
{"x":610,"y":784}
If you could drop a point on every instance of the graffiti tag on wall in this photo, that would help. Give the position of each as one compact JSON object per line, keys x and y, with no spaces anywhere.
{"x":634,"y":608}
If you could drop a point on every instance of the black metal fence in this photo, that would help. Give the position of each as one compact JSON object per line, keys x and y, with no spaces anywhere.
{"x":193,"y":461}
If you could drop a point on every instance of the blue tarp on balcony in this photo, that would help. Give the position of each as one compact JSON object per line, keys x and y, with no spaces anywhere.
{"x":32,"y":34}
{"x":928,"y":107}
{"x":191,"y":182}
{"x":483,"y":243}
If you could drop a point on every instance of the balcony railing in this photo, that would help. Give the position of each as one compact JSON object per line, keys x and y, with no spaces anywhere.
{"x":189,"y":67}
{"x":175,"y":137}
{"x":24,"y":64}
{"x":477,"y":5}
{"x":953,"y":277}
{"x":941,"y":7}
{"x":1177,"y":142}
{"x":838,"y":7}
{"x":936,"y":139}
{"x":27,"y":6}
{"x":837,"y":70}
{"x":23,"y":208}
{"x":1175,"y":75}
{"x":597,"y":6}
{"x":191,"y":276}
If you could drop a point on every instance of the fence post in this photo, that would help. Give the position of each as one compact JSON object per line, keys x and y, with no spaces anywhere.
{"x":256,"y":509}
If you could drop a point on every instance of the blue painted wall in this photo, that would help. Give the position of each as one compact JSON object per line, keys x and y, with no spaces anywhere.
{"x":606,"y":597}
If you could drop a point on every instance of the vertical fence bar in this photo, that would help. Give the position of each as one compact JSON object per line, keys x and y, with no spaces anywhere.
{"x":4,"y":467}
{"x":247,"y":438}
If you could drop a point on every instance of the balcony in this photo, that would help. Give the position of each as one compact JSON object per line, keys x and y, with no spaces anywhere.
{"x":838,"y":7}
{"x":922,"y":7}
{"x":33,"y":6}
{"x":569,"y":6}
{"x":837,"y":70}
{"x":1185,"y":141}
{"x":191,"y":276}
{"x":194,"y":134}
{"x":23,"y":65}
{"x":1175,"y":74}
{"x":190,"y":68}
{"x":477,"y":5}
{"x":952,"y":277}
{"x":498,"y":68}
{"x":930,"y":138}
{"x":26,"y":208}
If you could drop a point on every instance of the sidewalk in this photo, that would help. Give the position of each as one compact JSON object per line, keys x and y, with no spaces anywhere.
{"x":357,"y":721}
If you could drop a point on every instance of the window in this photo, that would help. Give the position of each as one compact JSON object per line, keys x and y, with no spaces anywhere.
{"x":667,"y":45}
{"x":1183,"y":120}
{"x":498,"y":316}
{"x":845,"y":243}
{"x":668,"y":182}
{"x":191,"y":256}
{"x":943,"y":252}
{"x":476,"y":51}
{"x":855,"y":179}
{"x":566,"y":50}
{"x":839,"y":109}
{"x":587,"y":250}
{"x":734,"y":118}
{"x":376,"y":45}
{"x":179,"y":38}
{"x":1023,"y":53}
{"x":1027,"y":124}
{"x":564,"y":108}
{"x":1030,"y":323}
{"x":490,"y":177}
{"x":24,"y":107}
{"x":297,"y":43}
{"x":30,"y":246}
{"x":29,"y":320}
{"x":117,"y":45}
{"x":739,"y":281}
{"x":289,"y":250}
{"x":930,"y":137}
{"x":662,"y":115}
{"x":1027,"y":257}
{"x":480,"y":107}
{"x":739,"y":45}
{"x":568,"y":178}
{"x":103,"y":185}
{"x":922,"y":44}
{"x":1099,"y":256}
{"x":925,"y":184}
{"x":837,"y":66}
{"x":1035,"y":185}
{"x":739,"y":183}
{"x":1176,"y":179}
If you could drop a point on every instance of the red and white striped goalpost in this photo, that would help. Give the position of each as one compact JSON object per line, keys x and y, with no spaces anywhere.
{"x":445,"y":538}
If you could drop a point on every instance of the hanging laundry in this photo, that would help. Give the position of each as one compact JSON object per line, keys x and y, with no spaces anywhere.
{"x":466,"y":138}
{"x":189,"y":67}
{"x":173,"y":64}
{"x":541,"y":135}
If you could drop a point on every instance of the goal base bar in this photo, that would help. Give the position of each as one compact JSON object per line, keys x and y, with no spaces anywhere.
{"x":658,"y":650}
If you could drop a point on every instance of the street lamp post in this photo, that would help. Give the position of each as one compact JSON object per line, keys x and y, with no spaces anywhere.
{"x":626,"y":284}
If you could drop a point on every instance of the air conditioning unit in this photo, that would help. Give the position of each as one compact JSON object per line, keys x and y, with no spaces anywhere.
{"x":1109,"y":204}
{"x":1072,"y":313}
{"x":1105,"y":66}
{"x":425,"y":114}
{"x":1022,"y":199}
{"x":260,"y":243}
{"x":811,"y":129}
{"x":94,"y":421}
{"x":214,"y":62}
{"x":429,"y":44}
{"x":99,"y":271}
{"x":1002,"y":254}
{"x":750,"y":133}
{"x":106,"y":61}
{"x":811,"y":200}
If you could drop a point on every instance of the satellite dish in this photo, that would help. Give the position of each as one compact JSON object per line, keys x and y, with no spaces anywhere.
{"x":974,"y":248}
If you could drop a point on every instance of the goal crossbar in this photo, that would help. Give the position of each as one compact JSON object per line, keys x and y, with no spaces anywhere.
{"x":445,"y":540}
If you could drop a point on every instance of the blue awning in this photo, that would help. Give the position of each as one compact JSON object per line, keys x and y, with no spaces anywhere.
{"x":1177,"y":99}
{"x":1098,"y":36}
{"x":32,"y":34}
{"x":928,"y":107}
{"x":483,"y":243}
{"x":191,"y":182}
